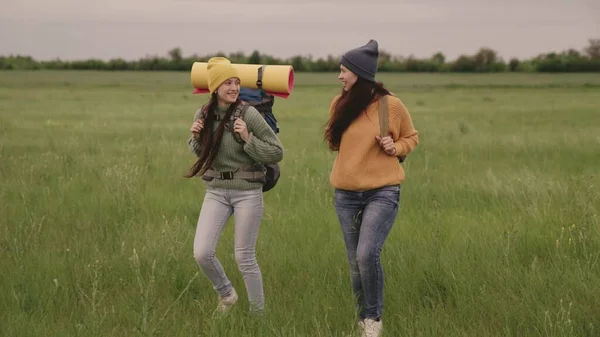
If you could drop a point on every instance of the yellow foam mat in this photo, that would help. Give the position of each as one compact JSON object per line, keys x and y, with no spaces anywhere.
{"x":277,"y":80}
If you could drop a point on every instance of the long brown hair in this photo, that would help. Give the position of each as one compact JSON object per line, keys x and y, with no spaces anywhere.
{"x":211,"y":140}
{"x":349,"y":106}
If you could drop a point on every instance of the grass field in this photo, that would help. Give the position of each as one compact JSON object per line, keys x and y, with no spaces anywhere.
{"x":498,"y":232}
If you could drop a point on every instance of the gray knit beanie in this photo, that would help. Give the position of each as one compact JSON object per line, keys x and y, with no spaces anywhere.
{"x":363,"y":60}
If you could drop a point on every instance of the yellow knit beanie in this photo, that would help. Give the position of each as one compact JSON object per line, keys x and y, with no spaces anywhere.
{"x":219,"y":69}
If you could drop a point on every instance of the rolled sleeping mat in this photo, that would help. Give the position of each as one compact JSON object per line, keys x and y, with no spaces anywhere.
{"x":277,"y":80}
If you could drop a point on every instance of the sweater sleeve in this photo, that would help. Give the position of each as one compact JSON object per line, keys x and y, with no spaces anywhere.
{"x":195,"y":145}
{"x":263,"y":145}
{"x":406,"y":137}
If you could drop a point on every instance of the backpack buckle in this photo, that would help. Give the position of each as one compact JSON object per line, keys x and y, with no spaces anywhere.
{"x":226,"y":175}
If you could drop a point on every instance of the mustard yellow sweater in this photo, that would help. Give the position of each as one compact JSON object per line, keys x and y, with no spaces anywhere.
{"x":361,"y":164}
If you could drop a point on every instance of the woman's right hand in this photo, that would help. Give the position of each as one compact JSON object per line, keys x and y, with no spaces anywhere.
{"x":197,"y":126}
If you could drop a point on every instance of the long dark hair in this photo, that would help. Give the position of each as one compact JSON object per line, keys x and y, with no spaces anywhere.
{"x":349,"y":106}
{"x":211,"y":141}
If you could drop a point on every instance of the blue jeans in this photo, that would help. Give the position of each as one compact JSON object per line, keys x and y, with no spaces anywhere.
{"x":247,"y":208}
{"x":366,"y":219}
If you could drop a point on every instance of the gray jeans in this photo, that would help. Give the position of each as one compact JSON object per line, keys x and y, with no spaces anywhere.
{"x":366,"y":219}
{"x":247,"y":207}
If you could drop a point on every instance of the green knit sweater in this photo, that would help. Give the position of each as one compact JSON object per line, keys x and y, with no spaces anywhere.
{"x":263,"y":146}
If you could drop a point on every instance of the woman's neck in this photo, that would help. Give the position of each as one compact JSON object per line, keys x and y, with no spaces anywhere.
{"x":222,"y":104}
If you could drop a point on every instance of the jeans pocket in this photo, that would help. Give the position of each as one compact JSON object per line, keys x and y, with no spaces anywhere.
{"x":343,"y":198}
{"x":388,"y":194}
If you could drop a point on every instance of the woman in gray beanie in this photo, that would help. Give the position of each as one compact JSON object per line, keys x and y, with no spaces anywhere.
{"x":367,"y":173}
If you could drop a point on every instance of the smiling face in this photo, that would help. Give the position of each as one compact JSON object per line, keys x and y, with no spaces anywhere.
{"x":347,"y":78}
{"x":229,"y":91}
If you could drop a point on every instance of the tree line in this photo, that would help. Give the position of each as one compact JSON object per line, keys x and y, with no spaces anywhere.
{"x":484,"y":60}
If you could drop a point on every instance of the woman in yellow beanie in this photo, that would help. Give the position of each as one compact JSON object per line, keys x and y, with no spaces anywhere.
{"x":233,"y":175}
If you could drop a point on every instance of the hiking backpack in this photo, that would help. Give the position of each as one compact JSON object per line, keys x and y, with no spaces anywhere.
{"x":263,"y":103}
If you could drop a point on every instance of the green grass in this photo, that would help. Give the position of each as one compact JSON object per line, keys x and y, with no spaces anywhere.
{"x":498,"y":232}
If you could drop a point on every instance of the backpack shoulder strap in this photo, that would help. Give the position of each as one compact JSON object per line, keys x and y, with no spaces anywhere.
{"x":239,"y":111}
{"x":383,"y":116}
{"x":383,"y":121}
{"x":203,"y":112}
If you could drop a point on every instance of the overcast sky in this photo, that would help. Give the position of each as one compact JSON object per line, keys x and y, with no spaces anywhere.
{"x":80,"y":29}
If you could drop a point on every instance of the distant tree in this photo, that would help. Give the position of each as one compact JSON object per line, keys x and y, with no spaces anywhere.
{"x":175,"y":54}
{"x":384,"y":61}
{"x":485,"y":59}
{"x":593,"y":49}
{"x":384,"y":56}
{"x":513,"y":64}
{"x":573,"y":53}
{"x":254,"y":58}
{"x":238,"y":57}
{"x":298,"y":63}
{"x":438,"y":58}
{"x":464,"y":63}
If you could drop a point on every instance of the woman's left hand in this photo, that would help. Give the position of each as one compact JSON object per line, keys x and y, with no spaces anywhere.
{"x":387,"y":144}
{"x":239,"y":126}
